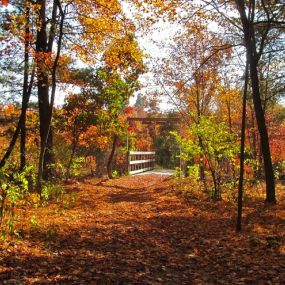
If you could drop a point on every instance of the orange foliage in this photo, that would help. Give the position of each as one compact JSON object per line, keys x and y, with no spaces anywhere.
{"x":277,"y":142}
{"x":93,"y":137}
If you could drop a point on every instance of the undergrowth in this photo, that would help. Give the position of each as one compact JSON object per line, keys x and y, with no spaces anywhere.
{"x":18,"y":191}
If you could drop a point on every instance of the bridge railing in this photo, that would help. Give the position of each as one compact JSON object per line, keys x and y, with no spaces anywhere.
{"x":140,"y":161}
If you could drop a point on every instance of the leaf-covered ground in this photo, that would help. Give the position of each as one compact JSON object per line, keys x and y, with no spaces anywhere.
{"x":136,"y":230}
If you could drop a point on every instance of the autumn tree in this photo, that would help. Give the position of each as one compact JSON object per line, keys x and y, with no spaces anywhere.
{"x":91,"y":27}
{"x":193,"y":71}
{"x":71,"y":121}
{"x":105,"y":93}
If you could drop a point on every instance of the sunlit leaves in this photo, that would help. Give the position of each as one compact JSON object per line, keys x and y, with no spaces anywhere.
{"x":100,"y":22}
{"x":125,"y":55}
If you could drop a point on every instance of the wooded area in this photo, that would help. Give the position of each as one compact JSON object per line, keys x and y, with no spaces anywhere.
{"x":69,"y":72}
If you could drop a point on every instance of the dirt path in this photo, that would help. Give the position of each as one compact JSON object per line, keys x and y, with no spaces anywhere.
{"x":135,"y":230}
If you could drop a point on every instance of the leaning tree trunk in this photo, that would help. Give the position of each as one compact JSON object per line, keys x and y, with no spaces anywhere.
{"x":11,"y":145}
{"x":19,"y":125}
{"x":265,"y":148}
{"x":26,"y":95}
{"x":27,"y":89}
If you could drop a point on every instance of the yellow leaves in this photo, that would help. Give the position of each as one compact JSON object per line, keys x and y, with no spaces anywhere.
{"x":10,"y":111}
{"x":104,"y":27}
{"x":35,"y":198}
{"x":158,"y":7}
{"x":98,"y":34}
{"x":91,"y":8}
{"x":100,"y":22}
{"x":16,"y":23}
{"x":102,"y":142}
{"x":123,"y":53}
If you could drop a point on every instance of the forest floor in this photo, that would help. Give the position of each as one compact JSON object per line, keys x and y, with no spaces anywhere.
{"x":138,"y":230}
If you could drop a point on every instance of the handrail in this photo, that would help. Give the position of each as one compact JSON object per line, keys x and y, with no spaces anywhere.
{"x":140,"y":161}
{"x":141,"y":152}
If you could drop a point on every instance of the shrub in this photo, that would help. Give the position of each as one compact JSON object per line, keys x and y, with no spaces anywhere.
{"x":14,"y":186}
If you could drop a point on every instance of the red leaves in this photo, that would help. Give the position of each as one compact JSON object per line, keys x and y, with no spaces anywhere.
{"x":128,"y":110}
{"x":4,"y":2}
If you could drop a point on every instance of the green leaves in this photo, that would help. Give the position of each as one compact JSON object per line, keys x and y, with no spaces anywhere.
{"x":209,"y":149}
{"x":216,"y":138}
{"x":189,"y":148}
{"x":13,"y":189}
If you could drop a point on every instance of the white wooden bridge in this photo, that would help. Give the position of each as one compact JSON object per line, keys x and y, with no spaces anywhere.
{"x":143,"y":162}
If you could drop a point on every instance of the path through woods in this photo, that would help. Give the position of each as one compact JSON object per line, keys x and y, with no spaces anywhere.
{"x":136,"y":230}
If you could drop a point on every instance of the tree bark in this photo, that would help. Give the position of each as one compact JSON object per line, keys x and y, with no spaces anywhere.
{"x":242,"y":143}
{"x":265,"y":148}
{"x":74,"y":145}
{"x":109,"y":164}
{"x":43,"y":87}
{"x":26,"y":96}
{"x":100,"y":164}
{"x":49,"y":159}
{"x":44,"y":48}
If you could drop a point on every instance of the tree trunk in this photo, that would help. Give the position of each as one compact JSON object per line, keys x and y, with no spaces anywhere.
{"x":43,"y":87}
{"x":201,"y":166}
{"x":216,"y":194}
{"x":70,"y":160}
{"x":44,"y":48}
{"x":26,"y":96}
{"x":109,"y":164}
{"x":49,"y":160}
{"x":12,"y":144}
{"x":265,"y":148}
{"x":242,"y":143}
{"x":100,"y":164}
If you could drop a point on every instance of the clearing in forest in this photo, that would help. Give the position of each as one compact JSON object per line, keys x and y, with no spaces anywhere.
{"x":137,"y":230}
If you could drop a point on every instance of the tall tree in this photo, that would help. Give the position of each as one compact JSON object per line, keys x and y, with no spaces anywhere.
{"x":259,"y":19}
{"x":44,"y":47}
